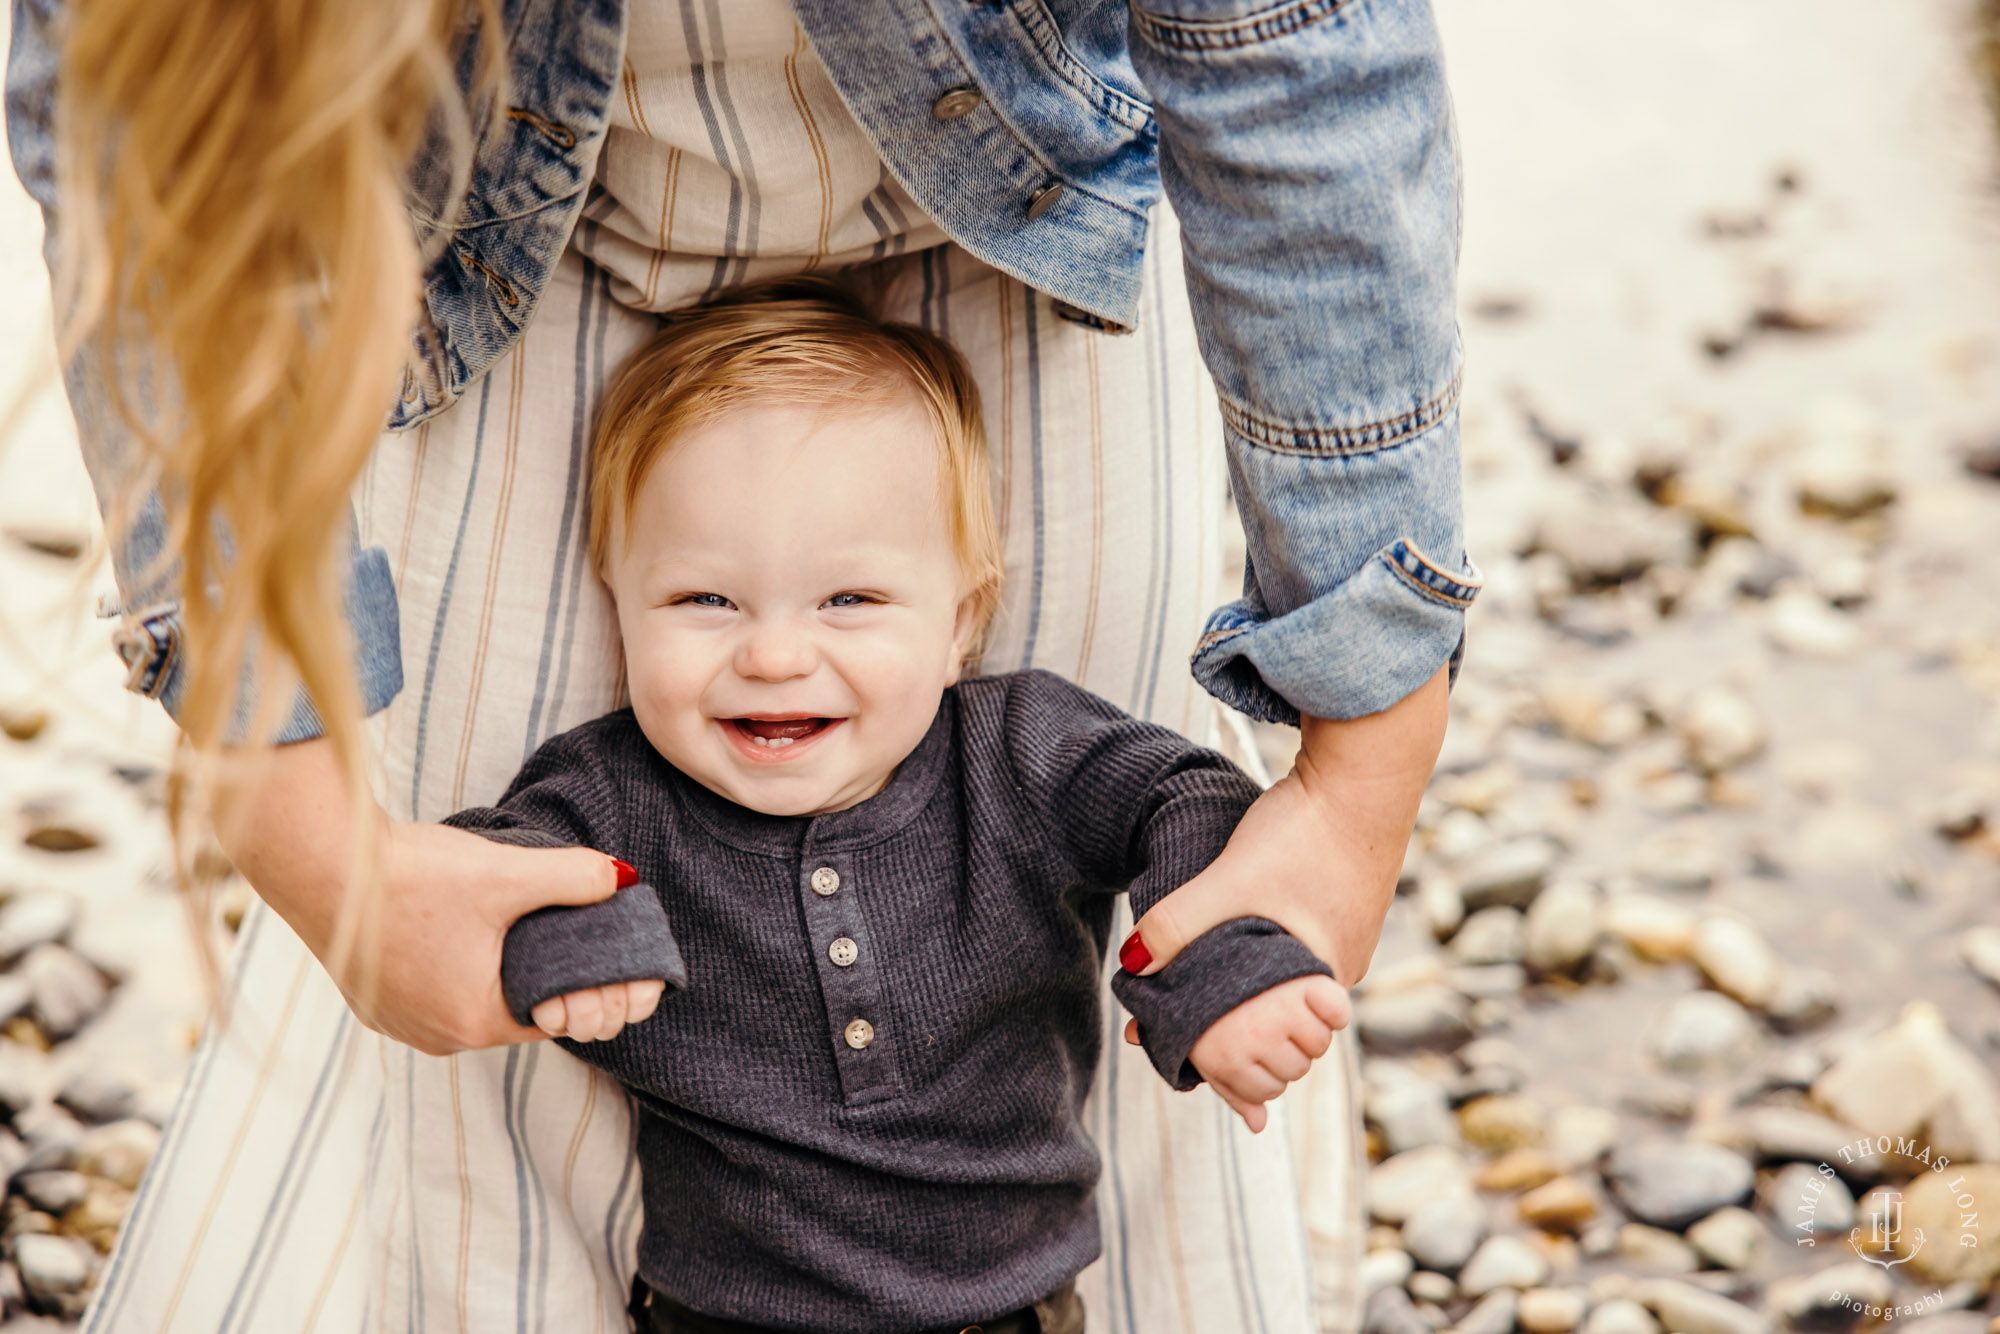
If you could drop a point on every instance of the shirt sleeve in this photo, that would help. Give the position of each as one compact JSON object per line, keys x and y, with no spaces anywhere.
{"x":1310,"y":157}
{"x":562,"y":798}
{"x":149,"y":636}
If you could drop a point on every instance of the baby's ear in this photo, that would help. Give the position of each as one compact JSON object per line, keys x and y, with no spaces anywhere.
{"x":965,"y":627}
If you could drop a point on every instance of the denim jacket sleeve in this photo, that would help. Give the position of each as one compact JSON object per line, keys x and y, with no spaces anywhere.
{"x":149,"y":636}
{"x":1308,"y":150}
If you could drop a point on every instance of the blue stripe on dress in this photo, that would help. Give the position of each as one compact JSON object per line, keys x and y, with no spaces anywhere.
{"x":612,"y":1250}
{"x":1242,"y":1253}
{"x":1035,"y":460}
{"x":698,"y":70}
{"x":444,"y":601}
{"x":748,"y":171}
{"x":1165,"y":435}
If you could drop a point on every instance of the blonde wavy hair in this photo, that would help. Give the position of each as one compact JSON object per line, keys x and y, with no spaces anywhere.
{"x":235,"y":251}
{"x":787,"y":341}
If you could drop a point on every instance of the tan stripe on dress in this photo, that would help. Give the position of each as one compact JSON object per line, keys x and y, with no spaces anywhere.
{"x":1169,"y":1210}
{"x":800,"y":101}
{"x":569,"y":1180}
{"x":416,"y":490}
{"x":670,"y":191}
{"x":502,"y":514}
{"x":1002,"y":285}
{"x":1096,"y":513}
{"x":464,"y":1193}
{"x":353,"y":1208}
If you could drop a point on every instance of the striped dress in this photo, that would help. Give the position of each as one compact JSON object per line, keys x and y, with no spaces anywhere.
{"x":317,"y":1176}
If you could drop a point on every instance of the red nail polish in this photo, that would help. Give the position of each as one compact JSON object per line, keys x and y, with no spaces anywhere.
{"x":1133,"y":954}
{"x":627,"y":877}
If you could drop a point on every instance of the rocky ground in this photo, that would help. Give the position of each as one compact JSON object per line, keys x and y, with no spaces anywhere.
{"x":1687,"y":1016}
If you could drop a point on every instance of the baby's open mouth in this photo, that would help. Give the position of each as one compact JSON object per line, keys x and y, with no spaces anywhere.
{"x":777,"y":733}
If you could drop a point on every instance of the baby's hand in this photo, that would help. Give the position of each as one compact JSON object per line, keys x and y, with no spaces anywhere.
{"x":599,"y":1013}
{"x":1251,"y":1053}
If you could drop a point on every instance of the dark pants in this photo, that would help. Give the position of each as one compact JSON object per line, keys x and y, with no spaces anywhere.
{"x":1061,"y":1312}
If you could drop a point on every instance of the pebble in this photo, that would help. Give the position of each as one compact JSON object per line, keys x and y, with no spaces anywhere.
{"x":20,"y":1077}
{"x":1561,"y":927}
{"x":1460,"y":835}
{"x":1443,"y":1234}
{"x":1843,"y":479}
{"x":1934,"y":1206}
{"x":1426,"y":1286}
{"x":1440,"y":904}
{"x":68,"y":992}
{"x":1730,"y":1238}
{"x":32,"y":919}
{"x":1517,"y":1170}
{"x":1702,"y":1030}
{"x":54,"y":1192}
{"x":1806,"y":998}
{"x":52,"y":1267}
{"x":1505,"y":1261}
{"x":1579,"y":1134}
{"x":1488,"y":981}
{"x":1388,"y":1311}
{"x":1659,"y":1098}
{"x":98,"y":1216}
{"x":1384,"y":1269}
{"x":1550,"y":1310}
{"x":1802,"y":623}
{"x":1511,"y":874}
{"x":1798,"y":1134}
{"x":1670,"y":1183}
{"x":97,"y":1097}
{"x":1608,"y":539}
{"x":1914,"y":1074}
{"x":1500,"y":1122}
{"x":1722,"y":729}
{"x":1494,"y":1313}
{"x":1981,"y":950}
{"x":1401,"y":1185}
{"x":1434,"y":1017}
{"x":1562,"y":1204}
{"x":1684,"y":1308}
{"x":1483,"y":1081}
{"x":1825,"y":1298}
{"x":1805,"y":1201}
{"x":1676,"y":859}
{"x":1736,"y":959}
{"x":60,"y":838}
{"x":1658,"y":930}
{"x":119,"y":1152}
{"x":15,"y":995}
{"x":1491,"y":935}
{"x":22,"y":725}
{"x":1410,"y":1111}
{"x":1620,"y":1315}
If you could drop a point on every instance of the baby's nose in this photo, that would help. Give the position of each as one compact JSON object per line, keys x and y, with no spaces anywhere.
{"x":776,"y":651}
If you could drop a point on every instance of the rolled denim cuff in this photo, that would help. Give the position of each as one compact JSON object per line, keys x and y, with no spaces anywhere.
{"x":554,"y":951}
{"x":150,"y":642}
{"x":1215,"y":973}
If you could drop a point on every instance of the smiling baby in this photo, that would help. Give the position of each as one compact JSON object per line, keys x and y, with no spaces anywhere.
{"x":890,"y":885}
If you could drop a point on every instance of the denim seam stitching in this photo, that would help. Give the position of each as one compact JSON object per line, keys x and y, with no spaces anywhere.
{"x":1042,"y":33}
{"x":1441,"y":595}
{"x":1234,"y":34}
{"x":1214,"y":637}
{"x":1340,"y":441}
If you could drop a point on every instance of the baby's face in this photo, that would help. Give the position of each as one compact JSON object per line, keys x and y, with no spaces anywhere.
{"x":791,"y":604}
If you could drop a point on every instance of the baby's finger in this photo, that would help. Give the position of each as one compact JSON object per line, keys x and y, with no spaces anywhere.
{"x":1252,"y":1083}
{"x":641,"y":999}
{"x":616,"y":1007}
{"x":551,"y":1016}
{"x":1132,"y":1031}
{"x":1253,"y":1113}
{"x":1284,"y":1062}
{"x":586,"y":1014}
{"x":1309,"y":1033}
{"x":1329,"y":1000}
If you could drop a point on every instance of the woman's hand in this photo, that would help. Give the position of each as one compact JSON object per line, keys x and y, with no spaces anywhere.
{"x":1319,"y":852}
{"x":431,"y":976}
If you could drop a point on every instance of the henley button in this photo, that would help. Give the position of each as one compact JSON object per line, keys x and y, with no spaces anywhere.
{"x":955,"y":103}
{"x":843,"y":952}
{"x":825,"y":881}
{"x":1044,"y":199}
{"x":860,"y":1033}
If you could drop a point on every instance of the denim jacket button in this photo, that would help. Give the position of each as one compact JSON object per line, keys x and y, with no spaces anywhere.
{"x":1044,"y":199}
{"x":955,"y":103}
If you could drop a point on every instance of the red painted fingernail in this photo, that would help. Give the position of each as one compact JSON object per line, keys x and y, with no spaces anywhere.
{"x":627,"y":877}
{"x":1133,"y":954}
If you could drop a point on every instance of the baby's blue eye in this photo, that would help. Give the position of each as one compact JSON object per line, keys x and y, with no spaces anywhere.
{"x":708,"y":600}
{"x":847,"y":600}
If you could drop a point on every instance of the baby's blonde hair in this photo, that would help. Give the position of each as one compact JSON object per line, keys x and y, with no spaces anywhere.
{"x":788,"y":341}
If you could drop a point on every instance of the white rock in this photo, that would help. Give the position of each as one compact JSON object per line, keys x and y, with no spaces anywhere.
{"x":1670,"y":1183}
{"x":1443,"y":1234}
{"x":1736,"y":959}
{"x":1439,"y":903}
{"x":1410,"y":1111}
{"x":1431,"y":1016}
{"x":1494,"y":1314}
{"x":1620,"y":1315}
{"x":1561,"y":927}
{"x":1730,"y":1238}
{"x":1550,"y":1310}
{"x":1658,"y":929}
{"x":52,"y":1266}
{"x":1722,"y":729}
{"x":1579,"y":1134}
{"x":1510,"y":874}
{"x":1385,"y":1269}
{"x":1916,"y":1077}
{"x":1609,"y":539}
{"x":1460,"y":835}
{"x":1505,"y":1261}
{"x":68,"y":992}
{"x":1403,"y":1184}
{"x":1801,"y":623}
{"x":1491,"y":935}
{"x":1825,"y":1298}
{"x":1806,"y":996}
{"x":1702,"y":1030}
{"x":1686,"y":1309}
{"x":28,"y":920}
{"x":1676,"y":859}
{"x":1805,"y":1201}
{"x":1981,"y":948}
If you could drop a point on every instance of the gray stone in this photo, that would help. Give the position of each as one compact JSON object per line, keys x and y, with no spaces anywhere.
{"x":1443,"y":1234}
{"x":1550,"y":1310}
{"x":68,"y":992}
{"x":1620,"y":1315}
{"x":1608,"y":539}
{"x":52,"y":1267}
{"x":1561,"y":927}
{"x":1509,"y":875}
{"x":1676,"y":859}
{"x":1805,"y":1201}
{"x":20,"y":1077}
{"x":1434,"y":1017}
{"x":1736,"y":959}
{"x":1388,"y":1311}
{"x":1655,"y":1249}
{"x":1440,"y":904}
{"x":1579,"y":1134}
{"x":1427,"y":1286}
{"x":1981,"y":949}
{"x":1684,"y":1308}
{"x":15,"y":994}
{"x":1703,"y":1030}
{"x":37,"y":918}
{"x":118,"y":1152}
{"x":53,"y":1192}
{"x":1806,"y":998}
{"x":1833,"y":1298}
{"x":1405,"y":1183}
{"x":1662,"y":1099}
{"x":1670,"y":1184}
{"x":1505,"y":1261}
{"x":1915,"y":1075}
{"x":97,"y":1097}
{"x":1730,"y":1238}
{"x":1493,"y":1314}
{"x":1385,"y":1269}
{"x":1487,"y":981}
{"x":1802,"y":623}
{"x":1491,"y":935}
{"x":48,"y":1129}
{"x":1460,"y":835}
{"x":1721,"y":728}
{"x":1408,"y":1109}
{"x":1798,"y":1134}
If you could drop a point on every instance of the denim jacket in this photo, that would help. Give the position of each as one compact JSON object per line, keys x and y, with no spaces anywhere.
{"x":1307,"y":148}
